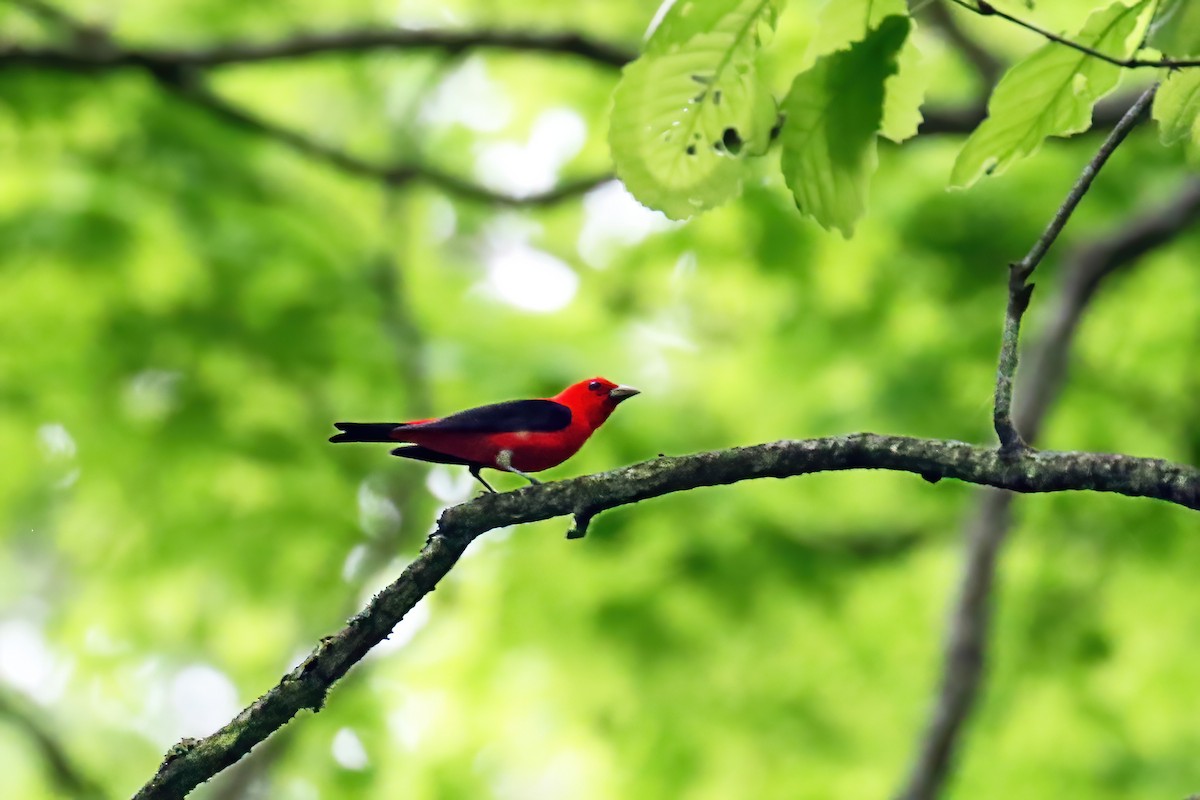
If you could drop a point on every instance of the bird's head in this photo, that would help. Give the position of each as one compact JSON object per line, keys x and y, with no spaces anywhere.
{"x":595,"y":398}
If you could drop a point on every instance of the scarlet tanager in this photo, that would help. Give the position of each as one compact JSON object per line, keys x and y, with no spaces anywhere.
{"x":518,"y":436}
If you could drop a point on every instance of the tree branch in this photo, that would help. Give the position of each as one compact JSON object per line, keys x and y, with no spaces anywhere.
{"x":940,"y":120}
{"x":965,"y":647}
{"x":1084,"y":272}
{"x":967,"y":634}
{"x":986,"y":9}
{"x":60,"y":766}
{"x":348,"y":42}
{"x":1019,"y":288}
{"x":189,"y":88}
{"x":178,"y":72}
{"x":192,"y":762}
{"x":985,"y":63}
{"x":48,"y":14}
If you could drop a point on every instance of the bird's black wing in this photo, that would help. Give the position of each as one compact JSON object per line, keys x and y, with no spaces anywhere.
{"x":514,"y":415}
{"x":418,"y":453}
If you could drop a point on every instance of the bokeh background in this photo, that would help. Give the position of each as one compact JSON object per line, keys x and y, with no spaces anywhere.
{"x":186,"y":304}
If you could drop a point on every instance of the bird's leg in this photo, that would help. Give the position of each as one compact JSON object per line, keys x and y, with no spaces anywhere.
{"x":504,"y":462}
{"x":524,"y":475}
{"x":475,"y":474}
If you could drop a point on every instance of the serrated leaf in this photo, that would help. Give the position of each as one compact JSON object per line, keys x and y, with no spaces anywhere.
{"x":1177,"y":107}
{"x":687,"y":113}
{"x":840,"y":23}
{"x":1051,"y":92}
{"x":833,"y":114}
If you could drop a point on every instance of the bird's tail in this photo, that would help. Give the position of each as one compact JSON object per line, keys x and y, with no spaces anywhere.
{"x":365,"y":431}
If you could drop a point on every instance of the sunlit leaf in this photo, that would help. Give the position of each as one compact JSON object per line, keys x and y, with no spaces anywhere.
{"x":833,"y":115}
{"x":688,"y":112}
{"x":1177,"y":107}
{"x":840,"y":23}
{"x":1175,"y":29}
{"x":905,"y":92}
{"x":1051,"y":92}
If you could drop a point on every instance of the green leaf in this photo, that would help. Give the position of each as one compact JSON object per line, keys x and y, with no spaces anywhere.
{"x":840,"y":23}
{"x":833,"y":114}
{"x":905,"y":92}
{"x":1051,"y":92}
{"x":1191,"y":153}
{"x":1177,"y":107}
{"x":690,"y":110}
{"x":1176,"y":28}
{"x":684,"y":19}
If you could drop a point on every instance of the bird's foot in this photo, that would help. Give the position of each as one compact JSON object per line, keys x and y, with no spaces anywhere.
{"x":475,"y":474}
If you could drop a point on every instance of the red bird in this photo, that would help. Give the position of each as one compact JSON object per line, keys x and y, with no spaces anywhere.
{"x":518,"y":436}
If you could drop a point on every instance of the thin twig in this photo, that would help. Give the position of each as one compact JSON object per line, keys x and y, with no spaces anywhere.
{"x":1019,"y":288}
{"x":1083,"y":273}
{"x":967,"y":634}
{"x":988,"y":10}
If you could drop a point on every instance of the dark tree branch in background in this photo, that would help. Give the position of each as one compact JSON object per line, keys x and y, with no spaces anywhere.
{"x":1019,"y":288}
{"x":247,"y":778}
{"x":60,"y":766}
{"x":965,"y":647}
{"x":961,"y":120}
{"x":948,"y":120}
{"x":191,"y":90}
{"x":967,"y":635}
{"x":179,"y":72}
{"x":966,"y":639}
{"x":365,"y":40}
{"x":49,"y":14}
{"x":359,"y":41}
{"x":192,"y":762}
{"x":983,"y":60}
{"x":938,"y":119}
{"x":1084,"y":271}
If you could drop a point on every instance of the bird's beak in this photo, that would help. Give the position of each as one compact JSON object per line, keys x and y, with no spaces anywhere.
{"x":623,"y":393}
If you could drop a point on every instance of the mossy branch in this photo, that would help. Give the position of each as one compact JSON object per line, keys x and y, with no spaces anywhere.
{"x":193,"y":762}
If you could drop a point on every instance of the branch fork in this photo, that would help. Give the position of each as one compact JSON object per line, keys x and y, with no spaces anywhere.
{"x":1020,"y":289}
{"x":966,"y":639}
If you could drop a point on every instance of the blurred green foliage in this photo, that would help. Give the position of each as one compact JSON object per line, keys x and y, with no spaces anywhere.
{"x":186,"y":307}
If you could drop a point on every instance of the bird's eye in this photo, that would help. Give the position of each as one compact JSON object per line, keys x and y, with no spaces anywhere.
{"x":595,"y":386}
